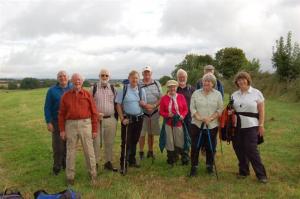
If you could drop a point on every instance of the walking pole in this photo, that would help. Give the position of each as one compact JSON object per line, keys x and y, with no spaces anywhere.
{"x":199,"y":140}
{"x":101,"y":133}
{"x":211,"y":148}
{"x":150,"y":131}
{"x":125,"y":152}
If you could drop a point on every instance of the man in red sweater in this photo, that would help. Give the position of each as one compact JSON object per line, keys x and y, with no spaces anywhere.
{"x":78,"y":120}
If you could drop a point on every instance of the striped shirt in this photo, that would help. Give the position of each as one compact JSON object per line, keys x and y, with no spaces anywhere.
{"x":104,"y":99}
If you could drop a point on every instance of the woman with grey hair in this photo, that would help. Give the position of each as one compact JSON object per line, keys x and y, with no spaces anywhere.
{"x":206,"y":106}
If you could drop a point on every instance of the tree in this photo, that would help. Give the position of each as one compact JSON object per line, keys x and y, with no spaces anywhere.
{"x":12,"y":85}
{"x":163,"y":80}
{"x":229,"y":61}
{"x":86,"y":83}
{"x":286,"y":58}
{"x":30,"y":83}
{"x":252,"y":66}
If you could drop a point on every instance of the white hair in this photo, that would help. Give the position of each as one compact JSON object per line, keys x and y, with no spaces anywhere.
{"x":61,"y":72}
{"x":104,"y":70}
{"x":77,"y":74}
{"x":209,"y":77}
{"x":181,"y":71}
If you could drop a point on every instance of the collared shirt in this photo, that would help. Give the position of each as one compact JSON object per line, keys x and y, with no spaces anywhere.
{"x":104,"y":99}
{"x":247,"y":102}
{"x":153,"y":93}
{"x":52,"y":101}
{"x":131,"y":103}
{"x":77,"y":105}
{"x":206,"y":105}
{"x":180,"y":103}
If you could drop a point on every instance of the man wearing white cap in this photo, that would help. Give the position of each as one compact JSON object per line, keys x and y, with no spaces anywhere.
{"x":151,"y":116}
{"x":218,"y":86}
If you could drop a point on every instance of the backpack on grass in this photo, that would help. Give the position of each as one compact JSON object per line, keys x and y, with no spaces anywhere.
{"x":66,"y":194}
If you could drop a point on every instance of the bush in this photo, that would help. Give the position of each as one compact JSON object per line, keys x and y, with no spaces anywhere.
{"x":30,"y":83}
{"x":163,"y":80}
{"x":12,"y":86}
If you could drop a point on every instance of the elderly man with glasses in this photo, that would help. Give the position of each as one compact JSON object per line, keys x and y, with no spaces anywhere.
{"x":104,"y":96}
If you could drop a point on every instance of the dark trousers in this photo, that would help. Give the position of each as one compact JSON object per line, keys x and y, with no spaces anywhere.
{"x":133,"y":134}
{"x":59,"y":149}
{"x":245,"y":147}
{"x":195,"y":134}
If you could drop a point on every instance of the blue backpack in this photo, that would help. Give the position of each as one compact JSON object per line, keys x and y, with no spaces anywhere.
{"x":66,"y":194}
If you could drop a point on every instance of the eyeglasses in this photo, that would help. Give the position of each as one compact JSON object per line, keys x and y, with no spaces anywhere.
{"x":102,"y":75}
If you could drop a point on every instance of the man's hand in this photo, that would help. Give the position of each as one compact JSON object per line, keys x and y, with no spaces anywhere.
{"x":125,"y":121}
{"x":63,"y":135}
{"x":50,"y":127}
{"x":94,"y":135}
{"x":143,"y":103}
{"x":101,"y":116}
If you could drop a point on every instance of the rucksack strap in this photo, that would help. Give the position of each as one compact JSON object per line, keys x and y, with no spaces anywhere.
{"x":94,"y":89}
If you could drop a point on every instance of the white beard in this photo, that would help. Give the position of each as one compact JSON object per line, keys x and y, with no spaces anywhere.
{"x":104,"y":81}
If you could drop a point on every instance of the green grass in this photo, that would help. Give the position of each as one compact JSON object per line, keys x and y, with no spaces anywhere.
{"x":26,"y":160}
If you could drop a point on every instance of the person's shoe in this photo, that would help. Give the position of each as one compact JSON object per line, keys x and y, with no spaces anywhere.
{"x":109,"y":166}
{"x":241,"y":176}
{"x":150,"y":154}
{"x":70,"y":182}
{"x":56,"y":171}
{"x":170,"y":158}
{"x":209,"y":169}
{"x":263,"y":180}
{"x":134,"y":165}
{"x":193,"y":172}
{"x":123,"y":171}
{"x":141,"y":155}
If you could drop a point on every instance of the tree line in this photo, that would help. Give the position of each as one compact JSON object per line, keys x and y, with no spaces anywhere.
{"x":229,"y":61}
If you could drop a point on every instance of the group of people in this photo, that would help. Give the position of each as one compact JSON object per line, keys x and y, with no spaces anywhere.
{"x":73,"y":113}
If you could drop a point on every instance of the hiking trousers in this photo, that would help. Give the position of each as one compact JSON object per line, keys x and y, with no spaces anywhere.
{"x":59,"y":148}
{"x":107,"y":130}
{"x":80,"y":130}
{"x":245,"y":146}
{"x":195,"y":133}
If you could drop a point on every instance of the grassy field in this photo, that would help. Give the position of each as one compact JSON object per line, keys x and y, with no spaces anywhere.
{"x":26,"y":160}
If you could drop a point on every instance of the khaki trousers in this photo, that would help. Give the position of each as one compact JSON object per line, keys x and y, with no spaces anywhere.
{"x":108,"y":129}
{"x":80,"y":130}
{"x":174,"y":138}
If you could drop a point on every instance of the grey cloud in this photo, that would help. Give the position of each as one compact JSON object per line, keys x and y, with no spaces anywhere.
{"x":72,"y":17}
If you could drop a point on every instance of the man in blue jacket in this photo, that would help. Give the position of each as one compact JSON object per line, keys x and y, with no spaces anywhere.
{"x":51,"y":108}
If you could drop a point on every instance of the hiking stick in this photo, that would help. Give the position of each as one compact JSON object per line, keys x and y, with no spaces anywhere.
{"x":101,"y":133}
{"x":150,"y":131}
{"x":211,"y":148}
{"x":125,"y":150}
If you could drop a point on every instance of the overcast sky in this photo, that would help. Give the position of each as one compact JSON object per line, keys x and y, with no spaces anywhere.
{"x":40,"y":37}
